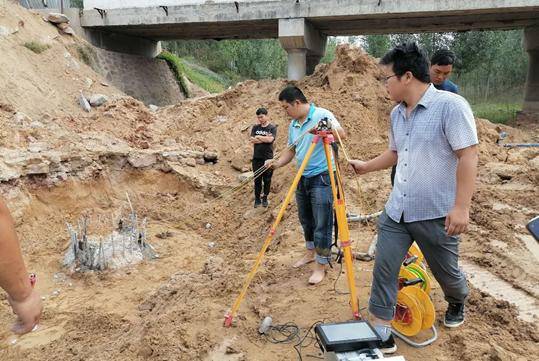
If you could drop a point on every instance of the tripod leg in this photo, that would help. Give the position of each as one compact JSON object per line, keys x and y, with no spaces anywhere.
{"x":241,"y":296}
{"x":344,"y":231}
{"x":340,"y":189}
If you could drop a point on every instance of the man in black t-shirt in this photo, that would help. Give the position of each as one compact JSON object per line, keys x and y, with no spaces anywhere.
{"x":262,"y":136}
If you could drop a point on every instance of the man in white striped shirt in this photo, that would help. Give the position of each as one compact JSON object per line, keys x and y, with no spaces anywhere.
{"x":433,"y":141}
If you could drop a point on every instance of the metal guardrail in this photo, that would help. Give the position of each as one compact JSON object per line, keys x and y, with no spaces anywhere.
{"x":46,"y":4}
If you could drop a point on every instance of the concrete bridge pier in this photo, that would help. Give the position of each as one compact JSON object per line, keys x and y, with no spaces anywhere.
{"x":531,"y":44}
{"x":304,"y":44}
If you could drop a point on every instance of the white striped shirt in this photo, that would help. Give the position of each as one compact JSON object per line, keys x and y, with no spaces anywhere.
{"x":426,"y":176}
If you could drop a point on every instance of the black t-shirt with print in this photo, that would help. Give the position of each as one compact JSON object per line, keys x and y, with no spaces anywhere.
{"x":263,"y":150}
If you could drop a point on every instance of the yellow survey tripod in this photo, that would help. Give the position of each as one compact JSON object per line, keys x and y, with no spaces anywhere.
{"x":321,"y":132}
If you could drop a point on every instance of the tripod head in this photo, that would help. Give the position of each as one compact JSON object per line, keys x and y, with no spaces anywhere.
{"x":323,"y":131}
{"x":324,"y":124}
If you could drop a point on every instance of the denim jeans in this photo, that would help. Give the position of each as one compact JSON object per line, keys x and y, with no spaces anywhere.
{"x":315,"y":210}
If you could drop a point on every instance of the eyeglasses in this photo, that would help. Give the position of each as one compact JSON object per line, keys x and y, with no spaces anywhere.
{"x":389,"y":77}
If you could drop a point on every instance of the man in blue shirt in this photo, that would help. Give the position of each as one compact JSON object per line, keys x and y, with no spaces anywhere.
{"x":314,"y":197}
{"x":433,"y":141}
{"x":441,"y":67}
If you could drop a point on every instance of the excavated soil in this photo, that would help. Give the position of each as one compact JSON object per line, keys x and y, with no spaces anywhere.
{"x":58,"y":163}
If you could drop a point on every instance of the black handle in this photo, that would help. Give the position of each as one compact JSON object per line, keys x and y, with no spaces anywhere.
{"x":411,"y":282}
{"x":409,"y":261}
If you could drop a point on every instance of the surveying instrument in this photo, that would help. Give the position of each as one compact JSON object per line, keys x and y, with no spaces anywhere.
{"x":322,"y":133}
{"x":338,"y":341}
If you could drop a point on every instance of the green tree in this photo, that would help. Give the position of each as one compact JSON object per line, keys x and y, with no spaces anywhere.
{"x":239,"y":59}
{"x":331,"y":45}
{"x":397,"y":39}
{"x":377,"y":45}
{"x":492,"y":64}
{"x":428,"y":41}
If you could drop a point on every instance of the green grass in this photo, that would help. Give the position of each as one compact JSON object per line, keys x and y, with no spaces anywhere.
{"x":86,"y":54}
{"x":36,"y":47}
{"x":497,"y":112}
{"x":176,"y":65}
{"x":204,"y":78}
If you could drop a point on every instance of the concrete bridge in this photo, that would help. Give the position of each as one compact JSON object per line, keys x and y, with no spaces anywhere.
{"x":302,"y":26}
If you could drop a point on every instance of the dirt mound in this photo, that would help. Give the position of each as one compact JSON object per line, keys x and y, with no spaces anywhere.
{"x":49,"y":81}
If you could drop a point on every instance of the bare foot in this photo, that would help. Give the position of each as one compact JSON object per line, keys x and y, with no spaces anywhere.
{"x":318,"y":274}
{"x":307,"y":258}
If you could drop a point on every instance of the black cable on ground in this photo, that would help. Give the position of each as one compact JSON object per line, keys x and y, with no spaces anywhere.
{"x":299,"y":345}
{"x":286,"y":333}
{"x":291,"y":333}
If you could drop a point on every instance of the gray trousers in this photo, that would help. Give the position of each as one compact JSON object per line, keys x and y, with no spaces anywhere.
{"x":440,"y":251}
